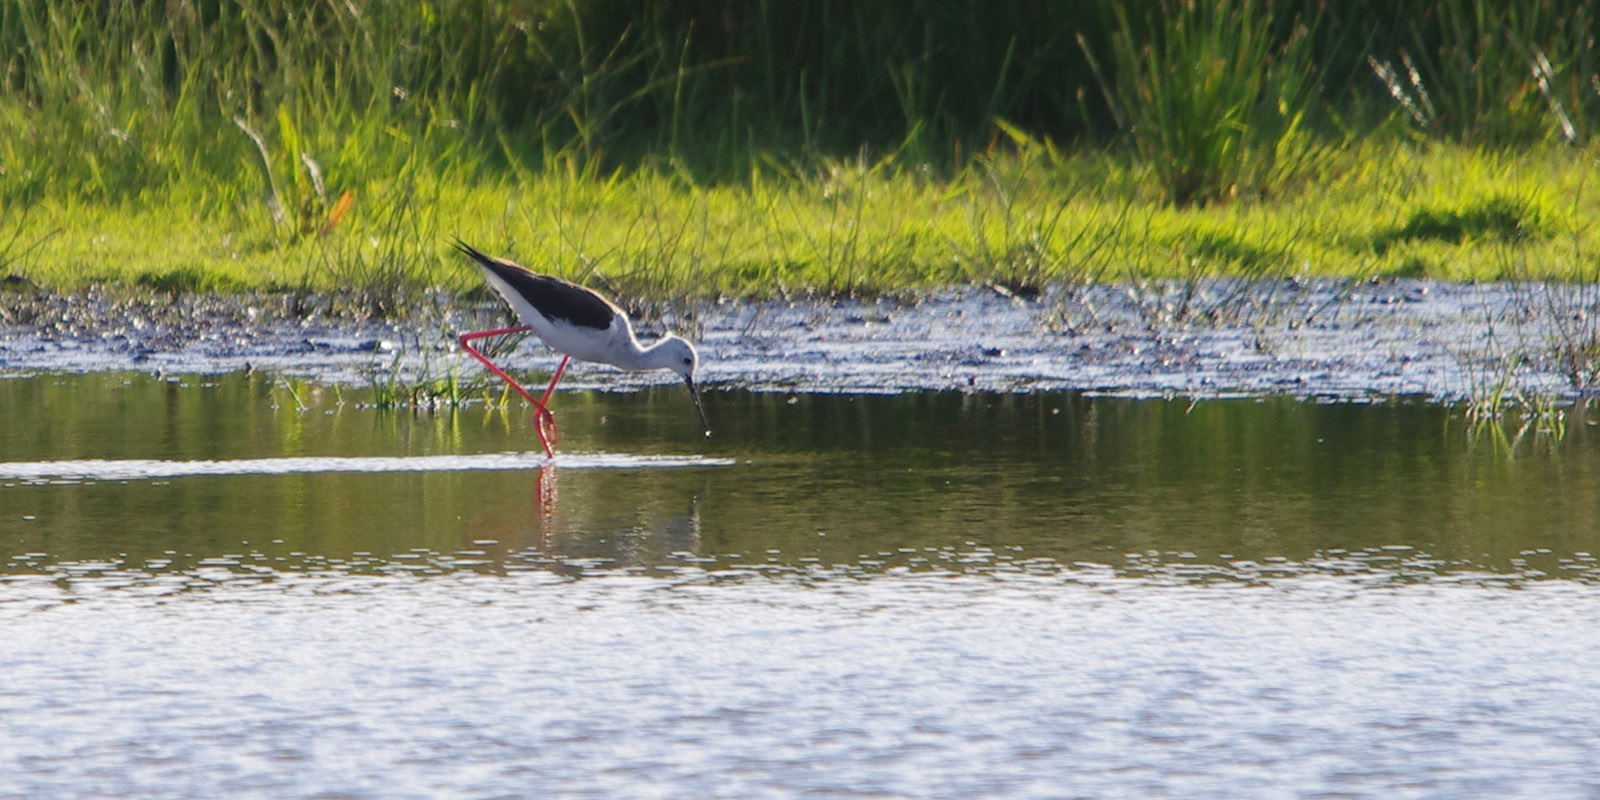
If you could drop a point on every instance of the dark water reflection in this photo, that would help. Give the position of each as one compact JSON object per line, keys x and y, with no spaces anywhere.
{"x":914,"y":596}
{"x":821,"y":486}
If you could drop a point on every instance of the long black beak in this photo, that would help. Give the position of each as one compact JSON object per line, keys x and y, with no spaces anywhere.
{"x":695,"y":393}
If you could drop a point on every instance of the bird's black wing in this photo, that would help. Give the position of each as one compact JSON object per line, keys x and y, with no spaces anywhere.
{"x":553,"y":297}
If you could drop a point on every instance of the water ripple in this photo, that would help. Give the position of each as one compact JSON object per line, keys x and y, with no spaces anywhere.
{"x":146,"y":469}
{"x":1078,"y":683}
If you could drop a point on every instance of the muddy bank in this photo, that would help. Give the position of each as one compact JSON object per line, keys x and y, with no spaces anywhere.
{"x":1340,"y":340}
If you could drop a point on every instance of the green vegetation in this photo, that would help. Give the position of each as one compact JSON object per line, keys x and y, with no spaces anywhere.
{"x":660,"y":149}
{"x":1017,"y":220}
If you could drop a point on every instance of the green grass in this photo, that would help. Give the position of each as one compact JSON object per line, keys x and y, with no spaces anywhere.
{"x":1020,"y":219}
{"x":1212,"y":99}
{"x":665,"y":149}
{"x":291,"y":104}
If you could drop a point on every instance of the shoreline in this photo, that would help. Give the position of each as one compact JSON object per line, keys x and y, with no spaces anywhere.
{"x":1333,"y":340}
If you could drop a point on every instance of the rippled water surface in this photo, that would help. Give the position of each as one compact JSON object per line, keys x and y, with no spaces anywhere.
{"x":205,"y":591}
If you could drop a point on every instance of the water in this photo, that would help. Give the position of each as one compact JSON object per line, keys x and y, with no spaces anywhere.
{"x":204,"y":592}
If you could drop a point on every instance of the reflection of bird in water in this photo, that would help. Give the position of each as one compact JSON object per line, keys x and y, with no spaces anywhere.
{"x":603,"y":522}
{"x":601,"y":535}
{"x":577,"y":323}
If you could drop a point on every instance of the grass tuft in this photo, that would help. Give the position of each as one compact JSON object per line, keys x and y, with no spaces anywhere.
{"x":1498,"y":217}
{"x":1212,"y":98}
{"x":189,"y":279}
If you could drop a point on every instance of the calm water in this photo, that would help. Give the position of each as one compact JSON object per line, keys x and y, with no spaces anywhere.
{"x":917,"y":595}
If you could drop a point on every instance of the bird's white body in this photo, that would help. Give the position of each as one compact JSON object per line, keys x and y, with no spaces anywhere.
{"x":582,"y":343}
{"x":615,"y":344}
{"x":578,"y":324}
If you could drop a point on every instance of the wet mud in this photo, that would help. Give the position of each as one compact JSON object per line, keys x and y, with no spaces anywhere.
{"x":1339,"y":340}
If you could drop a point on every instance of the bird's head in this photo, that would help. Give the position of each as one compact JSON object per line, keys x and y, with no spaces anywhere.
{"x":676,"y":354}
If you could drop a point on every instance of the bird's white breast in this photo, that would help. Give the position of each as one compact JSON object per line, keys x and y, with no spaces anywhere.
{"x":588,"y":344}
{"x":583,"y":343}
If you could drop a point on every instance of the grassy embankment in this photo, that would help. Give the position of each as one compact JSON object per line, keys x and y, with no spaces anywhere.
{"x":665,"y":149}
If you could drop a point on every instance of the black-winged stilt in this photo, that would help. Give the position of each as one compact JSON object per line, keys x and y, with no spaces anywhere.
{"x":577,"y":323}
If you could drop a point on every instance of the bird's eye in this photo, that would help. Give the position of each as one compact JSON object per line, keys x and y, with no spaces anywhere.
{"x":688,"y":362}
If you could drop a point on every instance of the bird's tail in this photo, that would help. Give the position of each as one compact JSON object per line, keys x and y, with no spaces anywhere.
{"x":471,"y":251}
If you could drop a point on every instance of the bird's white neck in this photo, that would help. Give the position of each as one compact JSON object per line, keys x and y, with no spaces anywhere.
{"x":635,"y":356}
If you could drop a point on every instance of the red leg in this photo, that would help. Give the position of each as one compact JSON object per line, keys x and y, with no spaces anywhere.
{"x":466,"y":339}
{"x":542,"y":418}
{"x":541,"y":414}
{"x":560,"y":368}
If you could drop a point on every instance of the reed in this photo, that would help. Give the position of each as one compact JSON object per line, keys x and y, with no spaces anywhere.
{"x":1212,"y":97}
{"x":237,"y":101}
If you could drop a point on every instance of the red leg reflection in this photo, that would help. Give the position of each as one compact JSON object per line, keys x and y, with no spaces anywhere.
{"x":545,"y":487}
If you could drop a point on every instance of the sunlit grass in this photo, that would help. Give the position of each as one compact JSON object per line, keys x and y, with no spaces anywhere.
{"x":663,"y":150}
{"x":1017,"y":220}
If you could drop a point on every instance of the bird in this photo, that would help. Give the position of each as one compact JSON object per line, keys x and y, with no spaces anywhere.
{"x":576,"y":322}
